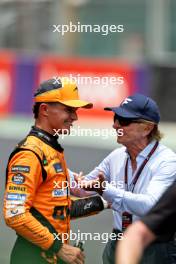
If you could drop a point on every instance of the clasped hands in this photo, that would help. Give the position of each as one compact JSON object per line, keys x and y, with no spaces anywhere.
{"x":98,"y":185}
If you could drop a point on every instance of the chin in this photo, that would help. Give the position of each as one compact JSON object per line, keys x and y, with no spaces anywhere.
{"x":66,"y":130}
{"x":120,"y":140}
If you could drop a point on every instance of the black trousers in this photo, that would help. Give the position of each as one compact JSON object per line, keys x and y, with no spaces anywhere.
{"x":24,"y":252}
{"x":156,"y":253}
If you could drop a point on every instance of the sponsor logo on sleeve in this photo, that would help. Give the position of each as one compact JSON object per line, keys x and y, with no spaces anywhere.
{"x":57,"y":167}
{"x":13,"y":204}
{"x":15,"y":211}
{"x":16,"y":196}
{"x":18,"y":178}
{"x":17,"y":188}
{"x":16,"y":202}
{"x":87,"y":206}
{"x":20,"y":168}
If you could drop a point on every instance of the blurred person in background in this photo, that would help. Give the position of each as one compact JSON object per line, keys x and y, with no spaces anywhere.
{"x":37,"y":202}
{"x":133,"y":178}
{"x":159,"y":223}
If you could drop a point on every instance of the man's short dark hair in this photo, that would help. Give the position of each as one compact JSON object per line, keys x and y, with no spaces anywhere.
{"x":36,"y":107}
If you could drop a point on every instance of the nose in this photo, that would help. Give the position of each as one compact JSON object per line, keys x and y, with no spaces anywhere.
{"x":116,"y":124}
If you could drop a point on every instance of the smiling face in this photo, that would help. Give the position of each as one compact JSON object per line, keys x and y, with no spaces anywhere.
{"x":57,"y":117}
{"x":134,"y":131}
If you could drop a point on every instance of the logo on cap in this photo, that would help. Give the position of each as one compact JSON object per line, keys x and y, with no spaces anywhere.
{"x":75,"y":89}
{"x":126,"y":101}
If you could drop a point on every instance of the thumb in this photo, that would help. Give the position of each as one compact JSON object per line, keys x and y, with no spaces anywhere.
{"x":101,"y":176}
{"x":79,"y":176}
{"x":76,"y":175}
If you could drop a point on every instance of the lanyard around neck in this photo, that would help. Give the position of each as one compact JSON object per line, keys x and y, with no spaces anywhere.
{"x":138,"y":173}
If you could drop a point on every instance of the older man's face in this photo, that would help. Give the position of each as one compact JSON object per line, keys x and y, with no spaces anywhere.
{"x":133,"y":131}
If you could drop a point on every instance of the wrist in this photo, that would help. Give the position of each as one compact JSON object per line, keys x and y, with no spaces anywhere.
{"x":56,"y":246}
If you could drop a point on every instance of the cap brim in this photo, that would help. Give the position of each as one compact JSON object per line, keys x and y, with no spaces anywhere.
{"x":121,"y":112}
{"x":77,"y":104}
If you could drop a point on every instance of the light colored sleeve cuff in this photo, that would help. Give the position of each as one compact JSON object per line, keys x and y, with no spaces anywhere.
{"x":105,"y":203}
{"x":113,"y":195}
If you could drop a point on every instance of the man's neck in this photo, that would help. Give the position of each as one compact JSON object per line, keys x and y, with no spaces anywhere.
{"x":135,"y":148}
{"x":44,"y":127}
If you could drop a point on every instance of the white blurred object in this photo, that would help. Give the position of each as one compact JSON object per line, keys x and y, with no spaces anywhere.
{"x":77,"y":2}
{"x":5,"y":90}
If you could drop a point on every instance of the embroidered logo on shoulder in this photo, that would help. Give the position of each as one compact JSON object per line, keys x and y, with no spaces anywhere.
{"x":20,"y":168}
{"x":18,"y":178}
{"x":57,"y":167}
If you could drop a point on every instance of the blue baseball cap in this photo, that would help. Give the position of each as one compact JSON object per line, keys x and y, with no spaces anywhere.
{"x":137,"y":106}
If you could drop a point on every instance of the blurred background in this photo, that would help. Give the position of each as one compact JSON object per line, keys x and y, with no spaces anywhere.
{"x":144,"y":54}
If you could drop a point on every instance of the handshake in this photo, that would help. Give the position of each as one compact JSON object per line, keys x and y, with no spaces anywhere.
{"x":98,"y":185}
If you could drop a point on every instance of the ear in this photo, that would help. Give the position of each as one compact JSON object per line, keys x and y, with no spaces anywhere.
{"x":149,"y":128}
{"x":43,"y":109}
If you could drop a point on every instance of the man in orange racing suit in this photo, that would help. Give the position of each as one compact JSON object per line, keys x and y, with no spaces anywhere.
{"x":37,"y":203}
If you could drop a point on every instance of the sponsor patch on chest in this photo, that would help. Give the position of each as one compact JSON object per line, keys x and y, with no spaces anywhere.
{"x":57,"y":167}
{"x":59,"y":193}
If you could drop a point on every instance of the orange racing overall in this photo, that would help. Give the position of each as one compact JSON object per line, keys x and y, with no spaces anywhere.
{"x":37,"y":203}
{"x":37,"y":199}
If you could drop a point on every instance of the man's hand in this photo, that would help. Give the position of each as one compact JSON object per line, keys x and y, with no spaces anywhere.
{"x":78,"y":176}
{"x":71,"y":255}
{"x":97,"y":185}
